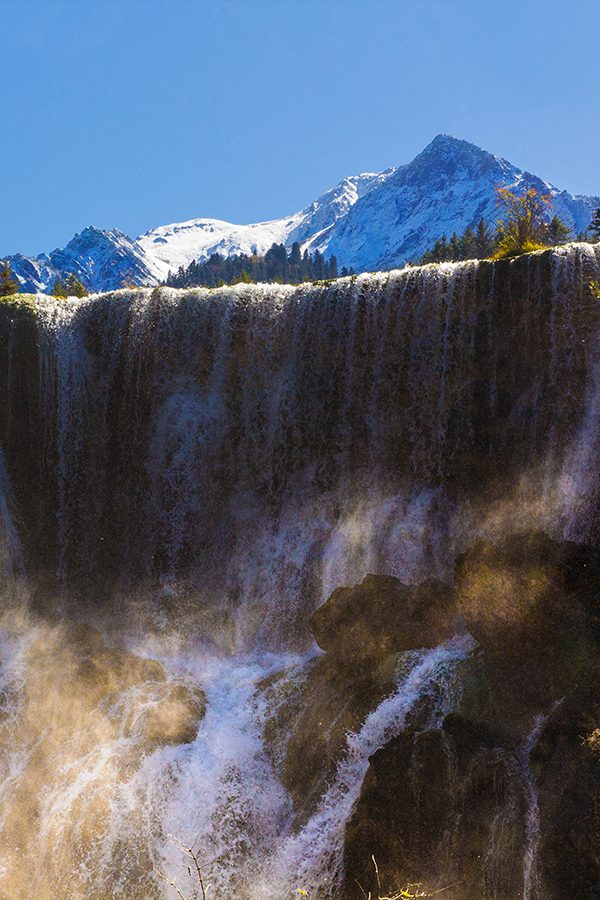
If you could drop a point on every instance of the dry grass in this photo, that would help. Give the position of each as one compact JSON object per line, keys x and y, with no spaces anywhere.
{"x":411,"y":891}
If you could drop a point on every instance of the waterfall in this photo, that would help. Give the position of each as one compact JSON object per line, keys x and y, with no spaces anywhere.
{"x":312,"y":859}
{"x":272,"y":442}
{"x":192,"y":473}
{"x":532,"y":824}
{"x":531,"y":885}
{"x":11,"y":556}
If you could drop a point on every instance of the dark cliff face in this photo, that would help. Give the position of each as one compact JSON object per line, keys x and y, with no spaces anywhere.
{"x":183,"y":437}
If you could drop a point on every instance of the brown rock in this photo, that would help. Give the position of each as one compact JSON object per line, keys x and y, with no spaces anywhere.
{"x":381,"y":615}
{"x":427,"y":811}
{"x":527,"y":589}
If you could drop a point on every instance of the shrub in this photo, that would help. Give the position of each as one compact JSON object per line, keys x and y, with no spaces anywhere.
{"x":522,"y":228}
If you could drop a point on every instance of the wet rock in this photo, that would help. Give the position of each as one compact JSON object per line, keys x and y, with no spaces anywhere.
{"x":381,"y":615}
{"x":566,"y":763}
{"x":363,"y":630}
{"x":427,"y":812}
{"x":334,"y":700}
{"x":532,"y":604}
{"x":175,"y":718}
{"x":519,"y":594}
{"x":455,"y":804}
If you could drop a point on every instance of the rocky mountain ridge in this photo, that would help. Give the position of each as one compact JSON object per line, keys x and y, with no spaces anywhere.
{"x":372,"y":221}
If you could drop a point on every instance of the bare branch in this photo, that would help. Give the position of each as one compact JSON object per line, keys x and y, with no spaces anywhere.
{"x":376,"y":874}
{"x":362,"y":890}
{"x":169,"y":882}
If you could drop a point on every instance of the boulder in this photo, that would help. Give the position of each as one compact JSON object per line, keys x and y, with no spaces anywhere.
{"x":427,"y":813}
{"x":520,"y":593}
{"x":363,"y":630}
{"x":382,"y":615}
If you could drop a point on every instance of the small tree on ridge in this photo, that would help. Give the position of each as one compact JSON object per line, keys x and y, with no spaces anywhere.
{"x":522,"y":227}
{"x":8,"y":284}
{"x":74,"y":287}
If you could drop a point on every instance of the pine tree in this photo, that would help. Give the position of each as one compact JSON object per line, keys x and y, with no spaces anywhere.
{"x":8,"y":284}
{"x":59,"y":290}
{"x":484,"y":240}
{"x":74,"y":287}
{"x":295,"y":254}
{"x":466,"y":244}
{"x":454,"y":248}
{"x":595,"y":225}
{"x":557,"y":232}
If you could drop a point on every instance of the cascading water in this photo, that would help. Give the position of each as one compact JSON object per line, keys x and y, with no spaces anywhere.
{"x":313,"y":858}
{"x":194,"y":472}
{"x":531,"y":885}
{"x":530,"y":880}
{"x":11,"y":560}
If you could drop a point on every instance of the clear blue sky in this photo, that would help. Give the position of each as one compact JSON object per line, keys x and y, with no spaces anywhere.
{"x":135,"y":113}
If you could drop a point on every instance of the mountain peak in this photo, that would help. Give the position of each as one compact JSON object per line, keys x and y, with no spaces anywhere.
{"x":445,"y":138}
{"x":448,"y":144}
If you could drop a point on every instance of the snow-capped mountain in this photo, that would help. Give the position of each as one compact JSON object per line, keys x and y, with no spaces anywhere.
{"x":170,"y":246}
{"x":446,"y":188}
{"x":370,"y":221}
{"x":102,"y":260}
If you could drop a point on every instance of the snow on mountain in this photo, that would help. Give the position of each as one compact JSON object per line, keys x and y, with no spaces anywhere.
{"x":371,"y":221}
{"x":446,"y":188}
{"x":35,"y":274}
{"x":170,"y":246}
{"x":102,"y":260}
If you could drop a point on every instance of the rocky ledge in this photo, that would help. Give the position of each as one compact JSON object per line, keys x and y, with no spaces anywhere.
{"x":503,"y":799}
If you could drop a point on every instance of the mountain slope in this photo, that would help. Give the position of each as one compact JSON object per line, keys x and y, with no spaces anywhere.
{"x":446,"y":188}
{"x":102,"y":260}
{"x":170,"y":246}
{"x":369,"y":221}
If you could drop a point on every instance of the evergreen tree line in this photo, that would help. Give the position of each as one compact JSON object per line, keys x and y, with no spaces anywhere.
{"x":71,"y":286}
{"x":277,"y":264}
{"x":484,"y":241}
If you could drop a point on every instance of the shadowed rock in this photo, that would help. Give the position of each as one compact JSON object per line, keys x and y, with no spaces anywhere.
{"x":381,"y":615}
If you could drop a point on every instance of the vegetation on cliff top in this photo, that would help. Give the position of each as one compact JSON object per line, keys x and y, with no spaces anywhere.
{"x":18,"y":301}
{"x":70,"y":287}
{"x":277,"y":265}
{"x":523,"y":228}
